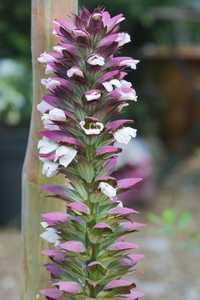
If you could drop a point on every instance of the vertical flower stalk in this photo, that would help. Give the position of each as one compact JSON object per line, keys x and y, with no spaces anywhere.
{"x":89,"y":257}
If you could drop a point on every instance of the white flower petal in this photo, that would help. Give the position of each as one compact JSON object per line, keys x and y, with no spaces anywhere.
{"x":46,"y":58}
{"x":131,"y":95}
{"x":44,"y":225}
{"x":126,"y":83}
{"x":75,"y":71}
{"x":108,"y":86}
{"x":97,"y":16}
{"x":50,"y":235}
{"x":59,"y":49}
{"x":115,"y":83}
{"x":93,"y":95}
{"x":49,"y":124}
{"x":57,"y":114}
{"x":132,"y":63}
{"x":122,"y":106}
{"x":96,"y":60}
{"x":120,"y":204}
{"x":44,"y":107}
{"x":65,"y":160}
{"x":65,"y":155}
{"x":50,"y":83}
{"x":64,"y":150}
{"x":123,"y":38}
{"x":49,"y":168}
{"x":49,"y":69}
{"x":92,"y":131}
{"x":124,"y":135}
{"x":46,"y":146}
{"x":107,"y":189}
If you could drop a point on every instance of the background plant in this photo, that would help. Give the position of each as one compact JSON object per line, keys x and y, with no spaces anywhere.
{"x":15,"y":89}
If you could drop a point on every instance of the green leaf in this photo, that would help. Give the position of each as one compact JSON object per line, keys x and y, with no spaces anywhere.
{"x":73,"y":195}
{"x":97,"y":197}
{"x":73,"y":271}
{"x":169,"y":216}
{"x":80,"y":189}
{"x":86,"y":171}
{"x":184,"y":219}
{"x":153,"y":218}
{"x":96,"y":271}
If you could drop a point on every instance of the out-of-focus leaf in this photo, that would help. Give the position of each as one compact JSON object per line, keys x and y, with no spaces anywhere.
{"x":169,"y":217}
{"x":86,"y":171}
{"x":184,"y":219}
{"x":154,"y":218}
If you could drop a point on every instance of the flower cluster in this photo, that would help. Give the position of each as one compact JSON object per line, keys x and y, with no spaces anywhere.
{"x":89,"y":256}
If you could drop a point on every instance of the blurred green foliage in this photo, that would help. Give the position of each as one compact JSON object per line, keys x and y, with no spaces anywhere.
{"x":170,"y":221}
{"x":15,"y":28}
{"x":16,"y":16}
{"x":180,"y":225}
{"x":15,"y":63}
{"x":133,"y":9}
{"x":15,"y":93}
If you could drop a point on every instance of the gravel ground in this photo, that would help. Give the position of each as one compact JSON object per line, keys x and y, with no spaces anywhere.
{"x":9,"y":264}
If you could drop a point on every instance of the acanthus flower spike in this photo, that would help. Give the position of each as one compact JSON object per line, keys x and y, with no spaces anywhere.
{"x":86,"y":88}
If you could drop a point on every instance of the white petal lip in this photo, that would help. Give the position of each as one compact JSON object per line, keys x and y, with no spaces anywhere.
{"x":50,"y":83}
{"x":122,"y":106}
{"x":59,"y":49}
{"x":46,"y":58}
{"x":50,"y":235}
{"x":108,"y":86}
{"x":65,"y":155}
{"x":131,"y":95}
{"x":124,"y":135}
{"x":126,"y":83}
{"x":96,"y":60}
{"x":120,"y":85}
{"x":120,"y":204}
{"x":57,"y":114}
{"x":44,"y":225}
{"x":97,"y":16}
{"x":62,"y":150}
{"x":54,"y":32}
{"x":49,"y":124}
{"x":123,"y":38}
{"x":46,"y":146}
{"x":65,"y":160}
{"x":49,"y":168}
{"x":107,"y":189}
{"x":49,"y":69}
{"x":75,"y":71}
{"x":54,"y":115}
{"x":44,"y":107}
{"x":92,"y":95}
{"x":132,"y":63}
{"x":92,"y":131}
{"x":115,"y":83}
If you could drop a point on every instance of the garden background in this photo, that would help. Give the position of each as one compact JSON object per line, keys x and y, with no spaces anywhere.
{"x":166,"y":38}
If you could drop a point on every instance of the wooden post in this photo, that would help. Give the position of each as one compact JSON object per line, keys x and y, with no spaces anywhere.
{"x":33,"y":275}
